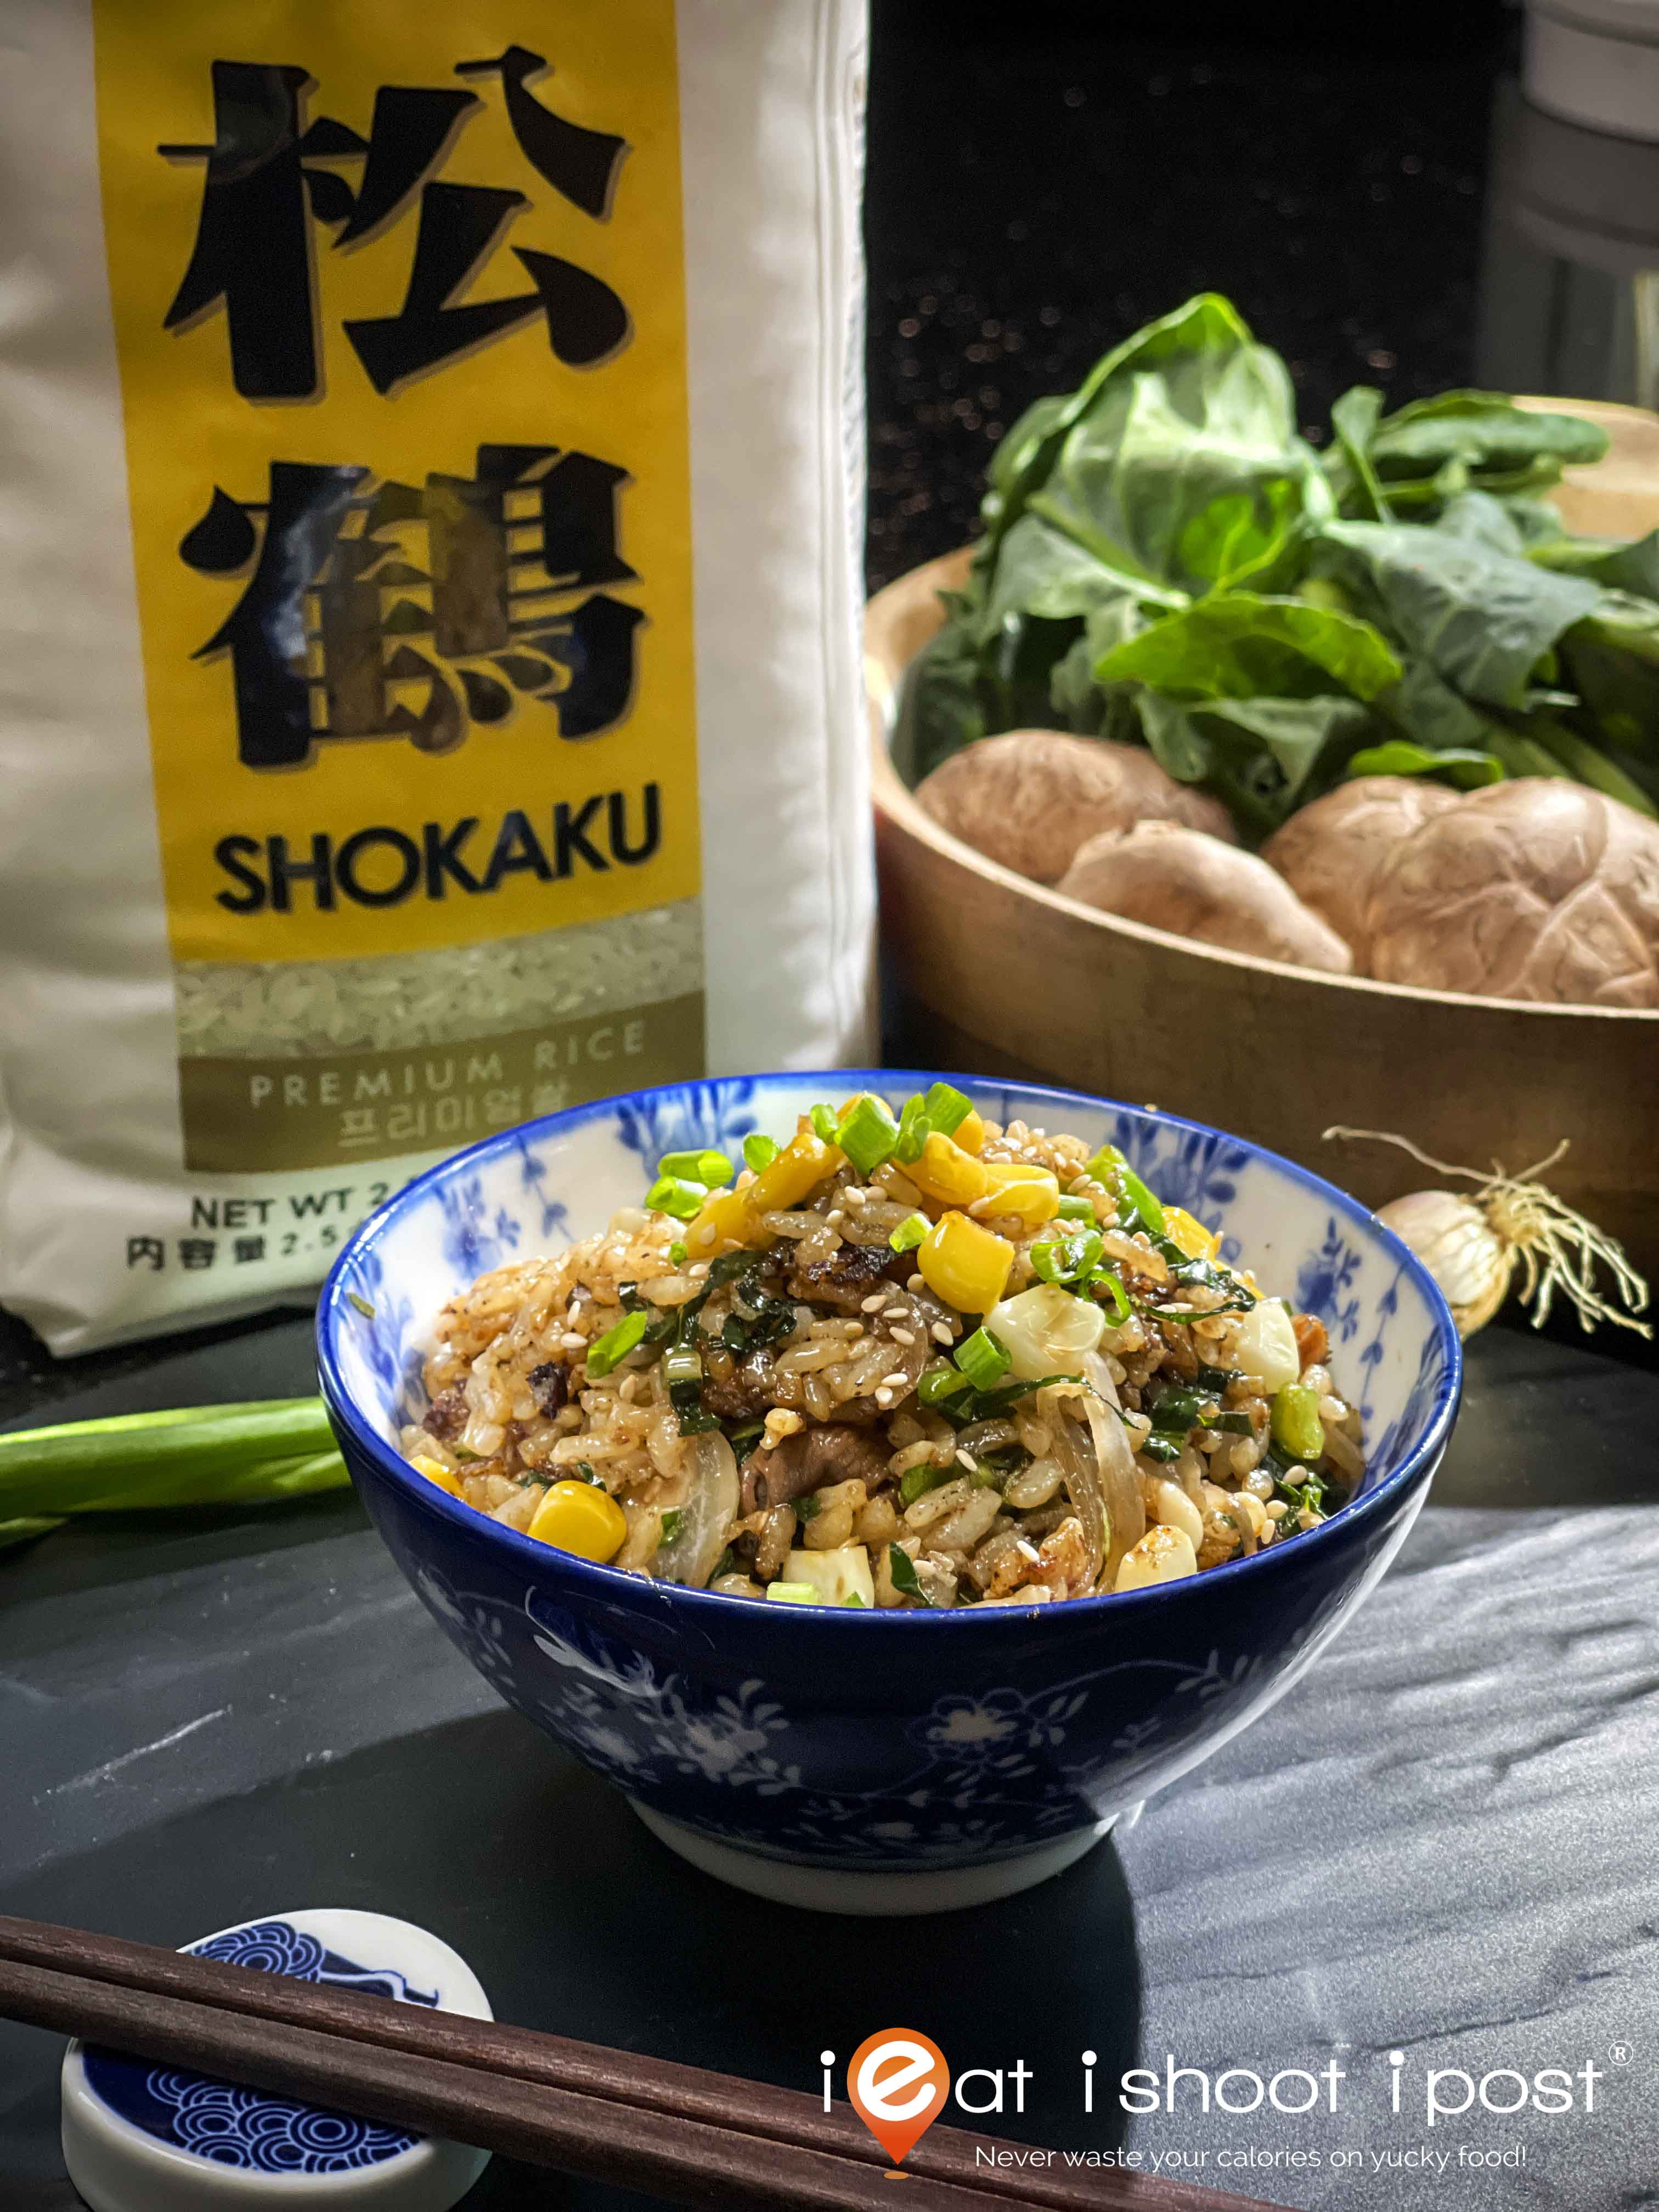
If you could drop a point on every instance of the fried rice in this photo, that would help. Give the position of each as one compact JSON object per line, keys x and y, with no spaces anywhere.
{"x":916,"y":1361}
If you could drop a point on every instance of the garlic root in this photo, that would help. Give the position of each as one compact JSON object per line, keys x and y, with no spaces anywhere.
{"x":1475,"y":1246}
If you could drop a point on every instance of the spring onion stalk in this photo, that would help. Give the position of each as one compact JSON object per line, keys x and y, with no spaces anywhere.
{"x":610,"y":1349}
{"x":867,"y":1134}
{"x":247,"y":1455}
{"x":823,"y":1122}
{"x":939,"y":1383}
{"x":946,"y":1109}
{"x":673,"y":1194}
{"x":712,"y":1170}
{"x":982,"y":1360}
{"x":1077,"y":1209}
{"x":909,"y":1232}
{"x":759,"y":1151}
{"x":914,"y":1129}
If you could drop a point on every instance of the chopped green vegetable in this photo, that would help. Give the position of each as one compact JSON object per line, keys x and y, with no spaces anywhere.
{"x":808,"y":1507}
{"x":824,"y":1122}
{"x":853,"y":1598}
{"x":1177,"y":1412}
{"x":909,"y":1232}
{"x":726,"y":1564}
{"x":673,"y":1522}
{"x":940,"y":1383}
{"x":1296,"y":1427}
{"x":1109,"y":1167}
{"x":606,"y":1351}
{"x":587,"y":1472}
{"x":946,"y":1109}
{"x":677,"y":1254}
{"x":1160,"y":1447}
{"x":902,"y":1568}
{"x":759,"y":1152}
{"x":1106,"y":1282}
{"x":712,"y":1170}
{"x":792,"y":1593}
{"x":917,"y":1481}
{"x":982,"y":1358}
{"x":669,"y":1194}
{"x":1077,"y":1209}
{"x":867,"y":1134}
{"x":914,"y":1129}
{"x":1067,"y":1260}
{"x":1229,"y":1424}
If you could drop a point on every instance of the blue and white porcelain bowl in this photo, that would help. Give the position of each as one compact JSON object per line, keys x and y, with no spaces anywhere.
{"x":886,"y":1762}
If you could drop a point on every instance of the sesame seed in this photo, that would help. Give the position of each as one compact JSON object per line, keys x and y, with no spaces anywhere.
{"x":904,"y":1336}
{"x":1027,"y":1549}
{"x":965,"y":1459}
{"x":854,"y":1196}
{"x":570,"y":1341}
{"x":941,"y":1332}
{"x":883,"y":1396}
{"x":916,"y":1283}
{"x":870,"y":1304}
{"x":834,"y":1216}
{"x":895,"y":1313}
{"x":897,"y":1381}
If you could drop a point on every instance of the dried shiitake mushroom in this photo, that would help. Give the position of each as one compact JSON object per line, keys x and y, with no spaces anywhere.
{"x":1031,"y":797}
{"x":1538,"y":889}
{"x":1176,"y":879}
{"x":1329,"y":851}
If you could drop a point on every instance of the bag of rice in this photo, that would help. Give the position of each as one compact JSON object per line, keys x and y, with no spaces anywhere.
{"x":430,"y":481}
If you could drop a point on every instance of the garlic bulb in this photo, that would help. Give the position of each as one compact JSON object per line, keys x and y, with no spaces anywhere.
{"x":1473,"y":1246}
{"x":1460,"y":1249}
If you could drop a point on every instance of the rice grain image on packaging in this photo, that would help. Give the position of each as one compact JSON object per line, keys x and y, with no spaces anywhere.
{"x":434,"y":451}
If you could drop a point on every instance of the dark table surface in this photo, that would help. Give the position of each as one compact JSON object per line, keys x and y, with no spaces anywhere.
{"x":1441,"y":1843}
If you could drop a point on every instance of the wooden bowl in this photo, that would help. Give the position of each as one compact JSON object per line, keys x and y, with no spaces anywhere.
{"x":1004,"y":977}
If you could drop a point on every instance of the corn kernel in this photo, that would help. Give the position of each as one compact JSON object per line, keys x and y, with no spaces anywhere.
{"x":435,"y":1471}
{"x":965,"y":1264}
{"x":946,"y":1173}
{"x":1197,"y":1242}
{"x":576,"y":1517}
{"x":1032,"y":1194}
{"x":727,"y":1217}
{"x":969,"y":1132}
{"x":797,"y":1170}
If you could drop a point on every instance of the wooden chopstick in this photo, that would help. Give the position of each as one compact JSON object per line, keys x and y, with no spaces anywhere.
{"x":607,"y":2114}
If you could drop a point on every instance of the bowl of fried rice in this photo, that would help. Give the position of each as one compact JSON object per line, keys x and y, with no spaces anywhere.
{"x":887,"y":1479}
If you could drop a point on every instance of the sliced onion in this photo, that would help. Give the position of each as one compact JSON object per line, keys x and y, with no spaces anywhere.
{"x":1073,"y":1453}
{"x":1046,"y":1330}
{"x":710,"y":1507}
{"x":1125,"y":1510}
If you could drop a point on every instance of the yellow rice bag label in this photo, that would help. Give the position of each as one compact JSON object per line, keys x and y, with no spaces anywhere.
{"x":398,"y":303}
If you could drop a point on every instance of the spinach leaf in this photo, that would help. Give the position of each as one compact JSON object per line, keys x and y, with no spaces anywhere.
{"x":1262,"y":756}
{"x":1480,"y":619}
{"x":1236,"y":645}
{"x":1612,"y":660}
{"x":906,"y":1580}
{"x":1632,"y":568}
{"x":1465,"y":769}
{"x":1348,"y":465}
{"x":1487,"y":433}
{"x":940,"y":705}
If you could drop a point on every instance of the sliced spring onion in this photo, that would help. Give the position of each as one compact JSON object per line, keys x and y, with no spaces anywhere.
{"x":914,"y":1129}
{"x":1077,"y":1209}
{"x":982,"y":1358}
{"x":1162,"y":1447}
{"x":919,"y":1481}
{"x":941,"y":1382}
{"x":589,"y":1472}
{"x":792,"y":1593}
{"x":712,"y":1170}
{"x":867,"y":1134}
{"x":824,"y":1122}
{"x":758,"y":1151}
{"x":608,"y":1351}
{"x":672,"y":1194}
{"x":909,"y":1232}
{"x":946,"y":1109}
{"x":1067,"y":1260}
{"x":254,"y":1453}
{"x":1230,"y":1424}
{"x":677,"y":1254}
{"x":853,"y":1598}
{"x":1296,"y":1427}
{"x":1108,"y":1166}
{"x":673,"y":1522}
{"x":1105,"y":1282}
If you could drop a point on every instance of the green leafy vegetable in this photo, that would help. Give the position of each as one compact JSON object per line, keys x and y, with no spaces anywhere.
{"x":1167,"y":563}
{"x":902,"y":1568}
{"x":759,"y":1151}
{"x":983,"y":1358}
{"x":608,"y":1351}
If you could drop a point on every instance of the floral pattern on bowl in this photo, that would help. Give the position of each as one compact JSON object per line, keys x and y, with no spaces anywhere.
{"x":900,"y":1741}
